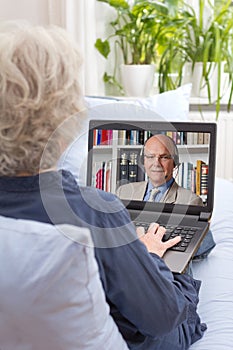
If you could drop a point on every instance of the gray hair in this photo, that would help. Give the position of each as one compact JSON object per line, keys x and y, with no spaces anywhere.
{"x":39,"y":90}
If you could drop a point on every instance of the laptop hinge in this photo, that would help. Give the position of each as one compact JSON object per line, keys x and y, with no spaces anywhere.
{"x":204,"y":216}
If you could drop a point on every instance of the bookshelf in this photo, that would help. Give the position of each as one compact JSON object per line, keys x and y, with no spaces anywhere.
{"x":116,"y":160}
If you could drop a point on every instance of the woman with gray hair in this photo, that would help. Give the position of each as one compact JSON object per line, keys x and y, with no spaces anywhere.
{"x":40,"y":89}
{"x":41,"y":107}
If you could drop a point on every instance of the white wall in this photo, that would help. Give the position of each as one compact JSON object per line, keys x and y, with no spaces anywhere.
{"x":34,"y":11}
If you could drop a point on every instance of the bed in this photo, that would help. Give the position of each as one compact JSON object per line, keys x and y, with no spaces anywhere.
{"x":216,"y":274}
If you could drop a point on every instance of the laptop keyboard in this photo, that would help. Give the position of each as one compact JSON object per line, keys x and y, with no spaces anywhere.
{"x":185,"y":232}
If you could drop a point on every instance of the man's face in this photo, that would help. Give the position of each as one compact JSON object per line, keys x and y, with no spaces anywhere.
{"x":158,"y":160}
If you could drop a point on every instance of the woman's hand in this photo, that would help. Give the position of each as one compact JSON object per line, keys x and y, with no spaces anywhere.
{"x":153,"y":239}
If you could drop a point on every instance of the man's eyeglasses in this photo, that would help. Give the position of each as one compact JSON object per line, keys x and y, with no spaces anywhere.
{"x":163,"y":158}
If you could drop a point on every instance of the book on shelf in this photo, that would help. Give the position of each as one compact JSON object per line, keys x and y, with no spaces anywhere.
{"x":108,"y":176}
{"x":190,"y":138}
{"x":99,"y":168}
{"x":110,"y":136}
{"x":184,"y":176}
{"x":121,"y":137}
{"x":102,"y":175}
{"x":206,"y":138}
{"x":200,"y":139}
{"x":204,"y":179}
{"x":193,"y":180}
{"x":127,"y":137}
{"x":201,"y":178}
{"x":198,"y":177}
{"x":97,"y":137}
{"x":175,"y":137}
{"x":133,"y":167}
{"x":104,"y":137}
{"x":128,"y":167}
{"x":123,"y":168}
{"x":170,"y":134}
{"x":179,"y":176}
{"x":141,"y":137}
{"x":187,"y":175}
{"x":195,"y":138}
{"x":134,"y":137}
{"x":178,"y":139}
{"x":204,"y":182}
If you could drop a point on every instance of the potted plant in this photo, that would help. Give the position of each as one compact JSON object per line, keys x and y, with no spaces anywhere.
{"x":206,"y":43}
{"x":136,"y":32}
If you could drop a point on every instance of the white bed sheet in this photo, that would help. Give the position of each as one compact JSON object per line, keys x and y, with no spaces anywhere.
{"x":216,"y":273}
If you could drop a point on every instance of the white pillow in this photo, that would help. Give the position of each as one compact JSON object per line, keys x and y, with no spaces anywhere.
{"x":171,"y":105}
{"x":51,"y":296}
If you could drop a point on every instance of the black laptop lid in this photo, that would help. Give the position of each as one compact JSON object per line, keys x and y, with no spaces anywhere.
{"x":114,"y":158}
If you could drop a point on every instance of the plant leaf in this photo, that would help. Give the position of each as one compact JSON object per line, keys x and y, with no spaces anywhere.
{"x":103,"y":47}
{"x":122,"y":4}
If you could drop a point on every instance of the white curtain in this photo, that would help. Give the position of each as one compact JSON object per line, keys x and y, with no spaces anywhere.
{"x":79,"y":18}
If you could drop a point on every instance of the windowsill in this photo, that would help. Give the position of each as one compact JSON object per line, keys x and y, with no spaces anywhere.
{"x":197,"y":103}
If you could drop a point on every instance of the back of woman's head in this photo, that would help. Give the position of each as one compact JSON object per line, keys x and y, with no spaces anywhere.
{"x":39,"y":89}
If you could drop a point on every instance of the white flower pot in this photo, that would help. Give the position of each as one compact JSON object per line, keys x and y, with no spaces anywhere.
{"x":137,"y":80}
{"x":199,"y":87}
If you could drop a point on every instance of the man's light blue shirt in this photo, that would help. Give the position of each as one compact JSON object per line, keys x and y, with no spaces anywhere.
{"x":162,"y":189}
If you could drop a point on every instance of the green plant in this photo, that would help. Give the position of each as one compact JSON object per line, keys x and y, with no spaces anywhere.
{"x":171,"y":34}
{"x":137,"y":32}
{"x":206,"y":40}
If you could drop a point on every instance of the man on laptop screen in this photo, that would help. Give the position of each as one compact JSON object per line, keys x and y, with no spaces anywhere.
{"x":160,"y":158}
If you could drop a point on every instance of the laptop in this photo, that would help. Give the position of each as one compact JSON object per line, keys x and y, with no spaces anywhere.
{"x":115,"y":160}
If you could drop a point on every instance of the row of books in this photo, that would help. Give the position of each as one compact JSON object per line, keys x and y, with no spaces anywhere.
{"x":194,"y":177}
{"x":102,"y":137}
{"x":128,"y":169}
{"x":138,"y":137}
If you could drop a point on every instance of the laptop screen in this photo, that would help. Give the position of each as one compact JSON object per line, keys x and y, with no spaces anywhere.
{"x":130,"y":158}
